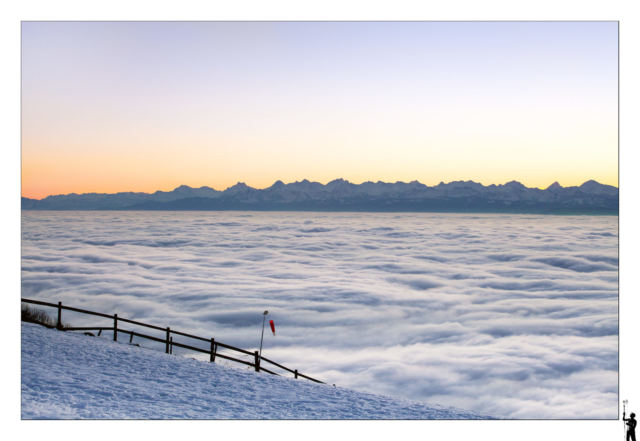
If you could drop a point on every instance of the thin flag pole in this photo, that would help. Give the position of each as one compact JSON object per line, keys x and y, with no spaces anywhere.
{"x":624,"y":424}
{"x":264,"y":317}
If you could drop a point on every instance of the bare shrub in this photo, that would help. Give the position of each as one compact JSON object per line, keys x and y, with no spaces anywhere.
{"x":39,"y":316}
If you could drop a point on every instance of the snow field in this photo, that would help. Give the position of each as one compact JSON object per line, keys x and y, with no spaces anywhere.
{"x":73,"y":376}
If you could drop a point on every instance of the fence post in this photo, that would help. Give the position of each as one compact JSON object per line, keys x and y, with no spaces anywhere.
{"x":115,"y":327}
{"x":257,"y":361}
{"x":59,"y":324}
{"x":171,"y":346}
{"x":212,"y":357}
{"x":296,"y":373}
{"x":131,"y":338}
{"x":168,"y":332}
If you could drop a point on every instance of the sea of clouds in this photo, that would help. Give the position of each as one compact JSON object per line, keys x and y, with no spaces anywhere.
{"x":514,"y":315}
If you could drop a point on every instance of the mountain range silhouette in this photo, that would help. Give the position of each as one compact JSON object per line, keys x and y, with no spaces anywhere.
{"x":341,"y":195}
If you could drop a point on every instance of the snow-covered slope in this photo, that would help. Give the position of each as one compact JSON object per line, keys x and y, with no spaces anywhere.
{"x":66,"y":375}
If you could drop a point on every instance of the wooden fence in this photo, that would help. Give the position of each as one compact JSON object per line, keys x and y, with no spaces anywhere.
{"x":168,"y":340}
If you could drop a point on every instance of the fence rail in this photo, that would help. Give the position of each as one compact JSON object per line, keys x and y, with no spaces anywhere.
{"x":168,"y":340}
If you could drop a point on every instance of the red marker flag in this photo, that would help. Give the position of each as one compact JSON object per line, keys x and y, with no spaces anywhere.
{"x":273,"y":327}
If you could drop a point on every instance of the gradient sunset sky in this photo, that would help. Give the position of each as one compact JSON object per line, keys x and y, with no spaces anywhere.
{"x":146,"y":106}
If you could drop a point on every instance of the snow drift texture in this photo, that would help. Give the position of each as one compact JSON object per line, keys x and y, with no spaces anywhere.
{"x":509,"y":315}
{"x":76,"y":376}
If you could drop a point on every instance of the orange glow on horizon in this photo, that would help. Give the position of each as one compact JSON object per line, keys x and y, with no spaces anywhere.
{"x":36,"y":186}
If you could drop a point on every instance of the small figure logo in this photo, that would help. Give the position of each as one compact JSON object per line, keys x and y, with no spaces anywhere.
{"x":630,"y":423}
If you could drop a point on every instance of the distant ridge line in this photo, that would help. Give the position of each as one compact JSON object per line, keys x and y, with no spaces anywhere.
{"x":341,"y":195}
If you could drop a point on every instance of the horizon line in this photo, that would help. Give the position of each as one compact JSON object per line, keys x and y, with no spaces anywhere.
{"x":329,"y":182}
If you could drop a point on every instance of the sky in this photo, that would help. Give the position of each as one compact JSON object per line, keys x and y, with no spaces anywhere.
{"x":146,"y":106}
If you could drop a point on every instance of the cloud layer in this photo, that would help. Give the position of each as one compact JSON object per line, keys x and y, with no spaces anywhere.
{"x":507,"y":314}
